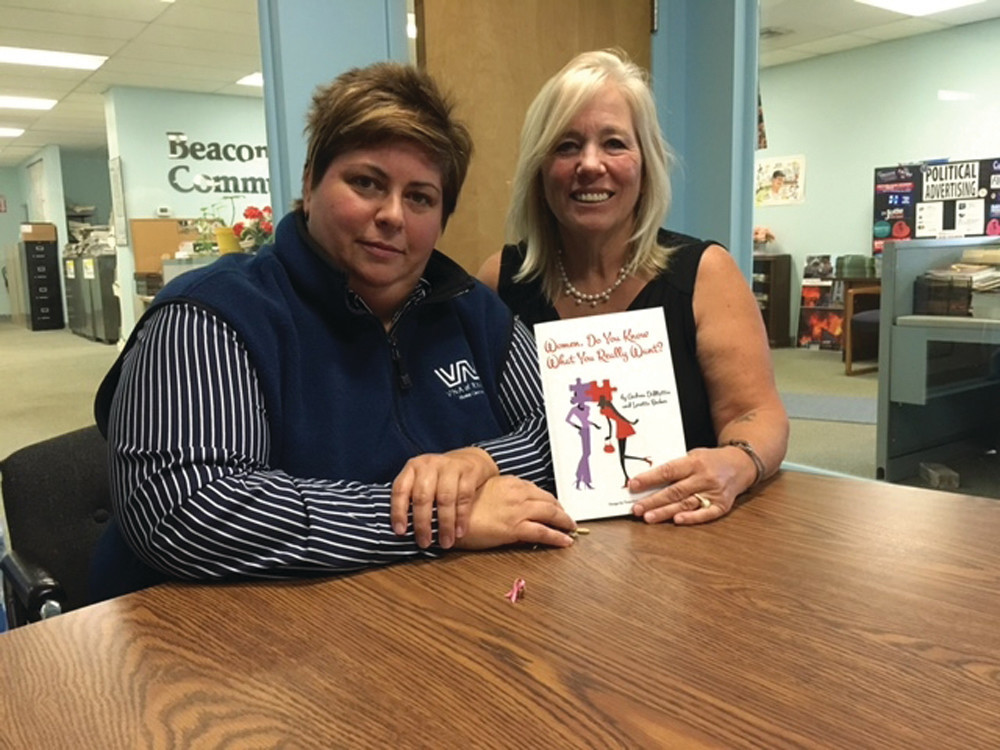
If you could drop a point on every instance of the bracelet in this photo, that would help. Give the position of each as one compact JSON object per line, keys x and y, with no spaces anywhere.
{"x":744,"y":446}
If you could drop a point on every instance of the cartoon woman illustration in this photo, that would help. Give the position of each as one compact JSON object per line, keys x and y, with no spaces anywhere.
{"x":579,"y":417}
{"x":624,"y":431}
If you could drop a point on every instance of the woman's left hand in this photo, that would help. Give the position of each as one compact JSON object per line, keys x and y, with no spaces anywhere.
{"x":449,"y":480}
{"x":717,"y":475}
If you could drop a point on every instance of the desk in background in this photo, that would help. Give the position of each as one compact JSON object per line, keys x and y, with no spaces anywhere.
{"x":823,"y":612}
{"x":939,"y":390}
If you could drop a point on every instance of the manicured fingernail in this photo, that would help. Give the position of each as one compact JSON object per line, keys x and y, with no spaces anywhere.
{"x":460,"y":531}
{"x":445,"y":541}
{"x":399,"y":528}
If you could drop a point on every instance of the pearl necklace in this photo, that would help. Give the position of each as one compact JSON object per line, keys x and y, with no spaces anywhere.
{"x":592,"y":299}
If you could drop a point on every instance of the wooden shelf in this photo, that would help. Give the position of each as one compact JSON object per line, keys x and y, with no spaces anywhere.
{"x":771,"y":286}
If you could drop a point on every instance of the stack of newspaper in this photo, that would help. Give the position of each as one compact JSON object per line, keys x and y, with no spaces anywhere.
{"x":981,"y":276}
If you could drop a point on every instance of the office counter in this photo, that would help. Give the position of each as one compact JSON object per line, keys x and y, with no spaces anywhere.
{"x":822,"y":612}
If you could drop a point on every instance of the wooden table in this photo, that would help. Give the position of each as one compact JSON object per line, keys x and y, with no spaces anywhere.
{"x":822,"y":613}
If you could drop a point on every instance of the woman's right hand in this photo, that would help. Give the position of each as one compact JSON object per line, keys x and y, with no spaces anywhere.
{"x":509,"y":510}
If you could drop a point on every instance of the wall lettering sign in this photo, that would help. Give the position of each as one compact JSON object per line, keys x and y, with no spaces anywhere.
{"x":181,"y":178}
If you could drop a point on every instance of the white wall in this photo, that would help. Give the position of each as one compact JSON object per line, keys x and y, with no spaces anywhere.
{"x":851,"y":112}
{"x":10,"y":223}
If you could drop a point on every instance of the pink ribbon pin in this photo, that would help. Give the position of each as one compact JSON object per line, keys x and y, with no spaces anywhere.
{"x":516,"y":592}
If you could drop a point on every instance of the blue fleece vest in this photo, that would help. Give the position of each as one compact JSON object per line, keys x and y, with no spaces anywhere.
{"x":344,"y":399}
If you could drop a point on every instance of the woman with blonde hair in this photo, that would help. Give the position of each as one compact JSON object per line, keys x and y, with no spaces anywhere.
{"x":591,"y":188}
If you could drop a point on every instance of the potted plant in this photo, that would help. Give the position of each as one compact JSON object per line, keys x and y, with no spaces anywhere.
{"x":207,"y":225}
{"x":256,"y":229}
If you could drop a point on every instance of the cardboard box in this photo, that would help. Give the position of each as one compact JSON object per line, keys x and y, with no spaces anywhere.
{"x":156,"y":240}
{"x":40,"y":232}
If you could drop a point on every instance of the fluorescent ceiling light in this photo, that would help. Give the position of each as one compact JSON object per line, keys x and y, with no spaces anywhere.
{"x":919,"y":7}
{"x":947,"y":95}
{"x":10,"y":132}
{"x":254,"y":79}
{"x":50,"y":59}
{"x":25,"y":102}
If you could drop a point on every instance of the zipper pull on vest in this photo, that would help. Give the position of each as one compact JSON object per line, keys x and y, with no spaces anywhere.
{"x":402,"y":376}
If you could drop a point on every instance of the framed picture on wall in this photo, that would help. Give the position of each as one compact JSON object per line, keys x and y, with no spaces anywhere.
{"x":780,"y":180}
{"x":118,"y":215}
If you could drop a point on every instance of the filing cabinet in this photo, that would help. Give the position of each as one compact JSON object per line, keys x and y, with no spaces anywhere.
{"x":41,"y":276}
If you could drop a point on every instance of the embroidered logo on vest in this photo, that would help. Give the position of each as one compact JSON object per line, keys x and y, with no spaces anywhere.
{"x":460,"y":378}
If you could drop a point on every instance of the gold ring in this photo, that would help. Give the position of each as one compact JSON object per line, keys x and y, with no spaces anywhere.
{"x":705,"y":502}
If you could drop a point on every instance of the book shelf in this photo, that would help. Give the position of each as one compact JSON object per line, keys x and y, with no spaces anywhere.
{"x":823,"y":306}
{"x":772,"y":288}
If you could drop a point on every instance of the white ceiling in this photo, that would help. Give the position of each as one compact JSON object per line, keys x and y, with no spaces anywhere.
{"x":188,"y":45}
{"x":207,"y":45}
{"x":822,"y":27}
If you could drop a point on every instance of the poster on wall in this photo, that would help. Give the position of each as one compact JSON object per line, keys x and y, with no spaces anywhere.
{"x":936,"y":199}
{"x":780,"y":180}
{"x":118,"y":201}
{"x":761,"y":130}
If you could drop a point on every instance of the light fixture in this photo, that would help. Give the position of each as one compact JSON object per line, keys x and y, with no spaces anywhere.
{"x":254,"y":79}
{"x":50,"y":59}
{"x":11,"y":132}
{"x":919,"y":7}
{"x":25,"y":102}
{"x":949,"y":95}
{"x":411,"y":25}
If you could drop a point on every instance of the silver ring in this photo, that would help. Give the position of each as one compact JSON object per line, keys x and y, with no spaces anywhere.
{"x":705,"y":502}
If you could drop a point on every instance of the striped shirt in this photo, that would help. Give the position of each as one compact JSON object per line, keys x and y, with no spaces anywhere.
{"x":191,"y":484}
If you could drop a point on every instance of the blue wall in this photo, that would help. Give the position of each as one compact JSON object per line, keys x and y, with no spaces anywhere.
{"x":876,"y":106}
{"x":705,"y":81}
{"x":305,"y":43}
{"x":157,"y":172}
{"x":139,"y":122}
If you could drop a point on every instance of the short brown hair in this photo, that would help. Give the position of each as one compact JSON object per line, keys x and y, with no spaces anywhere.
{"x":384,"y":102}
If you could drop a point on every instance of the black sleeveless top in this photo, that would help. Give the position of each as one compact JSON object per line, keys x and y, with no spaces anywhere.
{"x":672,"y":291}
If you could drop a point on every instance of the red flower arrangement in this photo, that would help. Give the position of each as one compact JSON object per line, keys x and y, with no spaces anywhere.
{"x":256,"y":230}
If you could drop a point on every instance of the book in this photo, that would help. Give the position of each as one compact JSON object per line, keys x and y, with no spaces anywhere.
{"x":816,"y":292}
{"x":990,"y":255}
{"x":612,"y":407}
{"x":818,"y":267}
{"x":820,"y":328}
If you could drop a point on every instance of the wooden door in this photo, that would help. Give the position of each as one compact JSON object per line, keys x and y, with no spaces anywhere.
{"x":493,"y":56}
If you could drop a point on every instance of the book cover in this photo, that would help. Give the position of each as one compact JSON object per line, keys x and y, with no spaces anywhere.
{"x":816,"y":293}
{"x":611,"y":403}
{"x":820,"y":328}
{"x":818,"y":267}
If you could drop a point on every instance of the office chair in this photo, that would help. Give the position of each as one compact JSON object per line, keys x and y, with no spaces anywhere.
{"x":57,"y":502}
{"x":861,"y":324}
